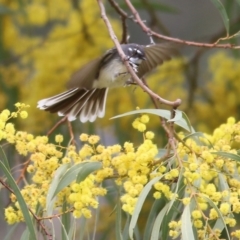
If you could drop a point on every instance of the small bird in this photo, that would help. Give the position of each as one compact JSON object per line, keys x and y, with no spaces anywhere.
{"x":88,"y":87}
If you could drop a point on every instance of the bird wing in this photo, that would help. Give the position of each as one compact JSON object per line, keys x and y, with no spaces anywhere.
{"x":156,"y":55}
{"x":85,"y":77}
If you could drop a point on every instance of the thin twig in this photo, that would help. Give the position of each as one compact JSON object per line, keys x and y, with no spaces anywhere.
{"x":56,"y":125}
{"x":124,"y":16}
{"x":30,"y":210}
{"x":176,"y":40}
{"x":71,"y":132}
{"x":174,"y":104}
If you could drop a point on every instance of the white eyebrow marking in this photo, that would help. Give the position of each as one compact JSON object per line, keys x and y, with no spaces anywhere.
{"x":130,"y":49}
{"x":138,"y":51}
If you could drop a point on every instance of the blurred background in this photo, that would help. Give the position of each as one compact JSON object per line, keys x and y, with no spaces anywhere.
{"x":43,"y":42}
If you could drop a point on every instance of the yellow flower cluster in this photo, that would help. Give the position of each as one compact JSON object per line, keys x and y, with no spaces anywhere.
{"x":84,"y":195}
{"x":202,"y":166}
{"x":222,"y":80}
{"x":208,"y":175}
{"x":131,"y":166}
{"x":45,"y":62}
{"x":175,"y":228}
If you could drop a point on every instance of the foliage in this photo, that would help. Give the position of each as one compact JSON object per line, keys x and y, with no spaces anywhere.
{"x":201,"y":179}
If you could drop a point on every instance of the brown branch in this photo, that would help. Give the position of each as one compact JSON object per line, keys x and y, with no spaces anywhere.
{"x":124,"y":16}
{"x":139,"y":21}
{"x":71,"y":132}
{"x":23,"y":171}
{"x":56,"y":125}
{"x":174,"y":104}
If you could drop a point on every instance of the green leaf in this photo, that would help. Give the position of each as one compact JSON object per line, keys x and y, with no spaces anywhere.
{"x":186,"y":228}
{"x":64,"y":232}
{"x":172,"y":213}
{"x":228,"y":155}
{"x":119,"y":220}
{"x":87,"y":169}
{"x":83,"y":227}
{"x":140,"y":203}
{"x":53,"y":186}
{"x":4,"y":159}
{"x":177,"y":117}
{"x":213,"y":205}
{"x":185,"y":117}
{"x":158,"y":222}
{"x":69,"y":176}
{"x":66,"y":219}
{"x":25,"y":235}
{"x":179,"y":183}
{"x":126,"y":227}
{"x":157,"y":205}
{"x":223,"y":185}
{"x":21,"y":201}
{"x":218,"y":4}
{"x":162,"y":113}
{"x":219,"y":224}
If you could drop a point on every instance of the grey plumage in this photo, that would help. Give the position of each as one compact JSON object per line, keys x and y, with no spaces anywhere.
{"x":88,"y":87}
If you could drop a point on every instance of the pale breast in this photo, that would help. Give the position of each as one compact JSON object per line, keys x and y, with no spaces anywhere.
{"x":112,"y":75}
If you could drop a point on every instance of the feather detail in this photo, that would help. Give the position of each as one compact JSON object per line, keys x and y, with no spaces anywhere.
{"x":74,"y":103}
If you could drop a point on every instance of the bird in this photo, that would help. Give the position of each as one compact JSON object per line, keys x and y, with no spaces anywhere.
{"x":88,"y":87}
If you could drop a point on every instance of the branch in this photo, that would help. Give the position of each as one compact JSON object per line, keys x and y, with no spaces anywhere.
{"x":30,"y":210}
{"x":174,"y":104}
{"x":124,"y":16}
{"x":176,"y":40}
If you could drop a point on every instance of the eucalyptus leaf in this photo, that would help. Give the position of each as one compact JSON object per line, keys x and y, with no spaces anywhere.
{"x":4,"y":159}
{"x":69,"y":176}
{"x":162,"y":113}
{"x":213,"y":205}
{"x":21,"y":201}
{"x":140,"y":203}
{"x":177,"y":117}
{"x":228,"y":155}
{"x":87,"y":169}
{"x":126,"y":227}
{"x":155,"y":209}
{"x":25,"y":235}
{"x":218,"y":4}
{"x":53,"y":186}
{"x":158,"y":222}
{"x":118,"y":220}
{"x":179,"y":183}
{"x":66,"y":219}
{"x":223,"y":185}
{"x":186,"y":227}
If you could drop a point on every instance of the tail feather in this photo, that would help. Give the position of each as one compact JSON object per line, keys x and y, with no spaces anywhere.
{"x":74,"y":103}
